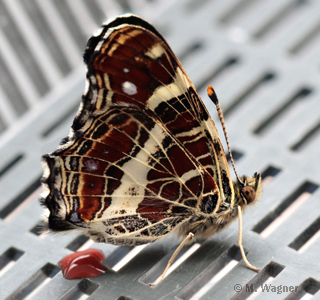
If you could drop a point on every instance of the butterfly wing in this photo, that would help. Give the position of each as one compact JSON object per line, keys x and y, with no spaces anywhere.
{"x":130,"y":63}
{"x":142,"y":154}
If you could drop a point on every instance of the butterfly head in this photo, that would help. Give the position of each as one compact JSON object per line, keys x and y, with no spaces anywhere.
{"x":249,"y":189}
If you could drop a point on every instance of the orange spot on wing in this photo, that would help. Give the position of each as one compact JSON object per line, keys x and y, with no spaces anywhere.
{"x":89,"y":206}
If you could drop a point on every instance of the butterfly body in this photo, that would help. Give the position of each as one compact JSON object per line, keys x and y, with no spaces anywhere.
{"x":143,"y":157}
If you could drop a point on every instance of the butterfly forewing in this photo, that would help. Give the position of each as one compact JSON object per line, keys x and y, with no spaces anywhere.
{"x":143,"y":155}
{"x":139,"y":67}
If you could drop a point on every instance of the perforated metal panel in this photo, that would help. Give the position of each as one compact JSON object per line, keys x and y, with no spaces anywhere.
{"x":263,"y":59}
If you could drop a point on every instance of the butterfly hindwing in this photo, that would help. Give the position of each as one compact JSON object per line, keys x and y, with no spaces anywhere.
{"x":127,"y":165}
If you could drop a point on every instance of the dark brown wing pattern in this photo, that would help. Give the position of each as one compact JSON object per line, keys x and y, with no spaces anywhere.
{"x":143,"y":155}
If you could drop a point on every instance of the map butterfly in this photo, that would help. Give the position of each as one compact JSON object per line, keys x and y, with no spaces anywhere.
{"x":143,"y":157}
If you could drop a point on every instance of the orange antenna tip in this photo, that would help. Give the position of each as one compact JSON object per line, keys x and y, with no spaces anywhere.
{"x":212,"y":94}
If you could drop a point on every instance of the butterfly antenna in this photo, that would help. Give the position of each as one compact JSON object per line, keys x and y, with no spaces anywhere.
{"x":213,"y":96}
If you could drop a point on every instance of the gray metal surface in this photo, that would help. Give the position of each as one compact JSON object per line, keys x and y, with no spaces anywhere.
{"x":263,"y":59}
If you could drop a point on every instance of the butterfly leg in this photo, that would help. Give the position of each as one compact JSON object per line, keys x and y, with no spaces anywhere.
{"x":172,"y":258}
{"x":250,"y":266}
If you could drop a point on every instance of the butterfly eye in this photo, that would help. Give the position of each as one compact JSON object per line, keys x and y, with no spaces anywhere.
{"x":248,"y":193}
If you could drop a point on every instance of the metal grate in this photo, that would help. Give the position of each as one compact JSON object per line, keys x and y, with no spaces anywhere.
{"x":262,"y":57}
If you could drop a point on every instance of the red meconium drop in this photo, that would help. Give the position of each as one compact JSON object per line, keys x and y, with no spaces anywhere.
{"x":83,"y":264}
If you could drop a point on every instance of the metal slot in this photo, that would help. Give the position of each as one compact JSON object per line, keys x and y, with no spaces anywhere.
{"x":254,"y":287}
{"x":239,"y":8}
{"x":117,"y":255}
{"x":121,"y":256}
{"x":46,"y":35}
{"x":69,"y":19}
{"x":235,"y":154}
{"x":12,"y":91}
{"x":10,"y":164}
{"x":192,"y":6}
{"x":121,"y":261}
{"x":211,"y":275}
{"x":307,"y":237}
{"x":226,"y":65}
{"x":24,"y":197}
{"x":68,"y":114}
{"x":35,"y":283}
{"x":306,"y":290}
{"x":126,"y":5}
{"x":191,"y":50}
{"x":307,"y":138}
{"x":302,"y":94}
{"x":8,"y":259}
{"x":81,"y":291}
{"x":276,"y":217}
{"x":96,"y":12}
{"x":77,"y":243}
{"x":264,"y":79}
{"x":23,"y":52}
{"x":280,"y":16}
{"x":124,"y":298}
{"x":3,"y":124}
{"x":155,"y":272}
{"x":268,"y":175}
{"x":39,"y":228}
{"x":305,"y":41}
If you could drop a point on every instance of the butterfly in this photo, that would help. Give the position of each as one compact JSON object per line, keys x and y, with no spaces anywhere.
{"x":143,"y":158}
